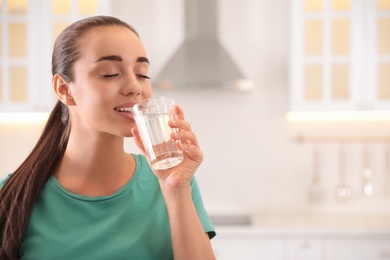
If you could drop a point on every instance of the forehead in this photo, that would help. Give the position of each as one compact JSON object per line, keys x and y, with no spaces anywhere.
{"x":108,"y":40}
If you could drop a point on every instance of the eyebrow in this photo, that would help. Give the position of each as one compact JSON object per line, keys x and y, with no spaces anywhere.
{"x":143,"y":59}
{"x":119,"y":58}
{"x":110,"y":57}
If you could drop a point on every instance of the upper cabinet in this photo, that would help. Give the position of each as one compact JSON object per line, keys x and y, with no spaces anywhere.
{"x":340,"y":55}
{"x":27,"y":33}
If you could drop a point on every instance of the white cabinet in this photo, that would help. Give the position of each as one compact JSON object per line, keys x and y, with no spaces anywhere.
{"x":305,"y":249}
{"x":248,"y":249}
{"x":340,"y":55}
{"x":27,"y":33}
{"x":258,"y":244}
{"x":359,"y":249}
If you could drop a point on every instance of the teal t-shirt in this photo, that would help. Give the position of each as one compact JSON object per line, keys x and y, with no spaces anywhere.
{"x":130,"y":224}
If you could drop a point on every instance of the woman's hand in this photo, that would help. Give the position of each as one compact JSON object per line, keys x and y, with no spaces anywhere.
{"x":181,"y":174}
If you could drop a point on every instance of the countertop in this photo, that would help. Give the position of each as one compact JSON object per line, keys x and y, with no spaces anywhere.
{"x":290,"y":225}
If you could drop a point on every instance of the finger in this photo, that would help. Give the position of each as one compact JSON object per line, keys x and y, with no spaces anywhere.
{"x":180,"y":124}
{"x":178,"y":112}
{"x":185,"y":137}
{"x":192,"y":151}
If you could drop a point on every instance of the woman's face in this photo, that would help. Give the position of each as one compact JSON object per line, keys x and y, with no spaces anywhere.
{"x":109,"y":77}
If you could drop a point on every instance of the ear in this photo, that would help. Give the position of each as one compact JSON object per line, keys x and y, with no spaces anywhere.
{"x":62,"y":90}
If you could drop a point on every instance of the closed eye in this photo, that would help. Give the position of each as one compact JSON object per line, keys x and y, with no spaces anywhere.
{"x":110,"y":75}
{"x":143,"y":76}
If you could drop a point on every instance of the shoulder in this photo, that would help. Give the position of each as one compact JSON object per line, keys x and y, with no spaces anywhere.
{"x":4,"y":179}
{"x":141,"y":163}
{"x":143,"y":170}
{"x":140,"y":159}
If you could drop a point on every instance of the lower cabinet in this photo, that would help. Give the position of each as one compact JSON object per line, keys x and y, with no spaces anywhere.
{"x":297,"y":246}
{"x":305,"y":249}
{"x":248,"y":248}
{"x":359,"y":249}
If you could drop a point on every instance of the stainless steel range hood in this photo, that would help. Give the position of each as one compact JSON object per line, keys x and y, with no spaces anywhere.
{"x":201,"y":61}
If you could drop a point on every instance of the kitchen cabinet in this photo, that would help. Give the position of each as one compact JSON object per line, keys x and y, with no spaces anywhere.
{"x":27,"y":33}
{"x":340,"y":55}
{"x":248,"y":248}
{"x":359,"y":249}
{"x":254,"y":243}
{"x":305,"y":249}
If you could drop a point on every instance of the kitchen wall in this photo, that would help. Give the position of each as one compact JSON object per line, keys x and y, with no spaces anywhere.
{"x":252,"y":162}
{"x":243,"y":135}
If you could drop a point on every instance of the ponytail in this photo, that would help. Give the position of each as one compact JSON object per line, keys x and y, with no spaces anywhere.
{"x":22,"y":189}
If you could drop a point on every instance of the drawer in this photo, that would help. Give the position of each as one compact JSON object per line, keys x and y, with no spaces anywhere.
{"x":247,"y":249}
{"x":359,"y":249}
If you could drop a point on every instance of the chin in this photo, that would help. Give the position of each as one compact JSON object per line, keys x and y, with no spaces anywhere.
{"x":126,"y":133}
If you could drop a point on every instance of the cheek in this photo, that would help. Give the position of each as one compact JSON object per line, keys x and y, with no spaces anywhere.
{"x":90,"y":92}
{"x":147,"y":91}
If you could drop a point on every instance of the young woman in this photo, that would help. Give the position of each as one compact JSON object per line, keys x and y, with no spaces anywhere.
{"x":78,"y":195}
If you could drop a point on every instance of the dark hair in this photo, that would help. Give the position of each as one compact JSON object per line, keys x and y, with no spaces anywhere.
{"x":22,"y":189}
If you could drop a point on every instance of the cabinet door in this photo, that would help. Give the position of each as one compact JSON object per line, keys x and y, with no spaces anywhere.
{"x":27,"y":33}
{"x":247,"y":249}
{"x":361,"y":249}
{"x":378,"y":54}
{"x":15,"y":55}
{"x":303,"y":249}
{"x":340,"y":55}
{"x":324,"y":59}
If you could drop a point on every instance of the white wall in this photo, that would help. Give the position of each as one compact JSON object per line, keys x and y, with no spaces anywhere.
{"x":252,"y":164}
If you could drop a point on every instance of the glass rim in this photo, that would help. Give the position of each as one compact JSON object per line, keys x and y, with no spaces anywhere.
{"x":147,"y":100}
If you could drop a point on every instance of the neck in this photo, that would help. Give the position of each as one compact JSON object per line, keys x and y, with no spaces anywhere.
{"x":95,"y":164}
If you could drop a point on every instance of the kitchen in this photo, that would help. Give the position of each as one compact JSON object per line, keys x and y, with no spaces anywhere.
{"x":270,"y":177}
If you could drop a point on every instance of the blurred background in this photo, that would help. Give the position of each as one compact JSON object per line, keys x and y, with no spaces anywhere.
{"x":295,"y":131}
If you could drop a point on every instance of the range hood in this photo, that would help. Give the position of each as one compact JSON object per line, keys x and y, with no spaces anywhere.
{"x":201,"y":61}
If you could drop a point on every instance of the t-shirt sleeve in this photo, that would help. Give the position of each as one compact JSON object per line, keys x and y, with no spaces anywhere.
{"x":203,"y":216}
{"x":3,"y":180}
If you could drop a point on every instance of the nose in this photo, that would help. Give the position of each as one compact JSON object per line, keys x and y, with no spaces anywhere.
{"x":131,"y":87}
